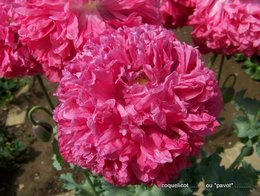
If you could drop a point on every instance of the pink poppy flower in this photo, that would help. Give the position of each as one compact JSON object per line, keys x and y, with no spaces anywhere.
{"x":134,"y":105}
{"x":175,"y":13}
{"x":15,"y":59}
{"x":227,"y":27}
{"x":55,"y":30}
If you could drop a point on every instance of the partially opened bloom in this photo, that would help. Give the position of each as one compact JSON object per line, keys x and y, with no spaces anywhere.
{"x":227,"y":26}
{"x":175,"y":13}
{"x":134,"y":105}
{"x":15,"y":59}
{"x":55,"y":30}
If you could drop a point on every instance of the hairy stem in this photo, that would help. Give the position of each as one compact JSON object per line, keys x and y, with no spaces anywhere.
{"x":39,"y":78}
{"x":221,"y":68}
{"x":228,"y":78}
{"x":34,"y":109}
{"x":245,"y":151}
{"x":90,"y":183}
{"x":212,"y":60}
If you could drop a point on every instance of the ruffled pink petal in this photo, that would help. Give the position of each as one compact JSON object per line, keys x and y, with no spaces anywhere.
{"x":135,"y":104}
{"x":15,"y":59}
{"x":55,"y":30}
{"x":175,"y":13}
{"x":227,"y":27}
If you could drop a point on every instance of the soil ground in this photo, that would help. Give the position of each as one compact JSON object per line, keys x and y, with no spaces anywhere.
{"x":36,"y":177}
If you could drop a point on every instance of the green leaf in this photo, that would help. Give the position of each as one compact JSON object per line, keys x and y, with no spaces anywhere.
{"x":110,"y":190}
{"x":57,"y":154}
{"x":244,"y":179}
{"x":70,"y":184}
{"x":8,"y":87}
{"x":258,"y":149}
{"x":56,"y":164}
{"x":117,"y":192}
{"x":242,"y":126}
{"x":251,"y":65}
{"x":247,"y":126}
{"x":250,"y":107}
{"x":144,"y":191}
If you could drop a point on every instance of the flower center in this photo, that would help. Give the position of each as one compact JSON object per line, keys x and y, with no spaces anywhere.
{"x":90,"y":5}
{"x":143,"y":80}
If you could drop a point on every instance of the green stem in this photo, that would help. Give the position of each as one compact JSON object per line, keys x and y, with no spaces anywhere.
{"x":34,"y":109}
{"x":90,"y":183}
{"x":230,"y":76}
{"x":245,"y":151}
{"x":212,"y":60}
{"x":257,"y":116}
{"x":45,"y":91}
{"x":221,"y":67}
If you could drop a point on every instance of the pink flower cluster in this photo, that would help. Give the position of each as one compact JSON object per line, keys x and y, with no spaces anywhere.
{"x":135,"y":104}
{"x":15,"y":59}
{"x":175,"y":13}
{"x":227,"y":27}
{"x":42,"y":36}
{"x":55,"y":30}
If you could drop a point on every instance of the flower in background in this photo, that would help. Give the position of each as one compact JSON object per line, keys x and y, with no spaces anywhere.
{"x":15,"y":59}
{"x":227,"y":27}
{"x":134,"y":104}
{"x":55,"y":30}
{"x":175,"y":13}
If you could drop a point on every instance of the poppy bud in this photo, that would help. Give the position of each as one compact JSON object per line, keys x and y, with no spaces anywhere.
{"x":43,"y":131}
{"x":228,"y":94}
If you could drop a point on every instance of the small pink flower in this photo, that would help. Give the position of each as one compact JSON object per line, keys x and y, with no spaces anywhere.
{"x":55,"y":30}
{"x":175,"y":13}
{"x":15,"y":59}
{"x":135,"y":104}
{"x":227,"y":27}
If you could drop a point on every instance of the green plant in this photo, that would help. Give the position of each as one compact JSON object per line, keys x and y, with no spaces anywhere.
{"x":250,"y":64}
{"x":215,"y":179}
{"x":11,"y":151}
{"x":8,"y":87}
{"x":247,"y":125}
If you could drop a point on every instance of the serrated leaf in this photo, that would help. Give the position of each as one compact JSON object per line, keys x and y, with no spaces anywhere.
{"x":116,"y":192}
{"x":80,"y":189}
{"x":242,"y":126}
{"x":56,"y":164}
{"x":56,"y":151}
{"x":153,"y":191}
{"x":239,"y":181}
{"x":249,"y":106}
{"x":110,"y":190}
{"x":251,"y":65}
{"x":69,"y":183}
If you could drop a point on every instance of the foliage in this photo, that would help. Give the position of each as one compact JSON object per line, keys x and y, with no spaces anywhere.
{"x":70,"y":184}
{"x":8,"y":87}
{"x":247,"y":125}
{"x":250,"y":64}
{"x":216,"y":180}
{"x":11,"y":150}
